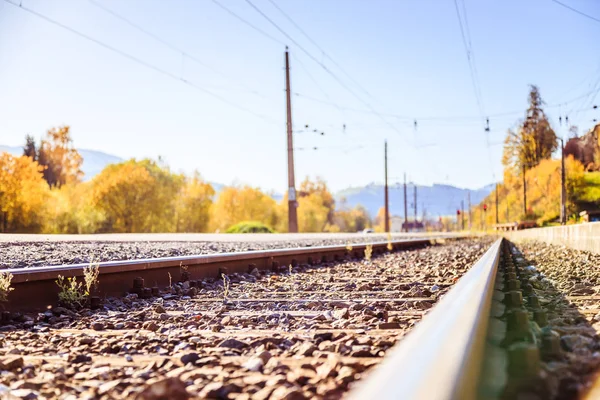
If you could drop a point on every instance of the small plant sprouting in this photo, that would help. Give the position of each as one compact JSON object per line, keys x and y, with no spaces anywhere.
{"x":290,"y":269}
{"x":368,"y":252}
{"x":5,"y":289}
{"x":90,"y":276}
{"x":72,"y":293}
{"x":349,"y":247}
{"x":389,"y":240}
{"x":226,"y":283}
{"x":170,"y":281}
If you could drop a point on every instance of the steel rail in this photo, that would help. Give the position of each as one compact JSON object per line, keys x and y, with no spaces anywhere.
{"x":442,"y":357}
{"x":36,"y":287}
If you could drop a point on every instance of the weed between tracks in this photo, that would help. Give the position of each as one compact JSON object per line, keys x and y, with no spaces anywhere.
{"x":74,"y":294}
{"x":5,"y":288}
{"x":368,"y":252}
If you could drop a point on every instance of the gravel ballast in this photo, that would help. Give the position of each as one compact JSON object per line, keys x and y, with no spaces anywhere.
{"x":47,"y":253}
{"x":567,"y":283}
{"x":305,"y":332}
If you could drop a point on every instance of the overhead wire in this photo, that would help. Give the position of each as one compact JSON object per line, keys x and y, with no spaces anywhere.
{"x":139,"y":61}
{"x":171,"y":46}
{"x":358,"y":85}
{"x":246,"y":22}
{"x":324,"y":67}
{"x":577,"y":11}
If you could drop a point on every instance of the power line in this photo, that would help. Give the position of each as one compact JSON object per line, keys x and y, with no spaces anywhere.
{"x":171,"y":46}
{"x":335,"y":77}
{"x":138,"y":61}
{"x":577,"y":11}
{"x":320,"y":48}
{"x":265,"y":34}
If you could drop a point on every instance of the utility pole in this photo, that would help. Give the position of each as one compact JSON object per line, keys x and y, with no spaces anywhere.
{"x":524,"y":194}
{"x":469,"y":206}
{"x":563,"y":185}
{"x":462,"y":214}
{"x":405,"y":207}
{"x":292,"y":204}
{"x":387,"y":207}
{"x":415,"y":190}
{"x":497,"y":218}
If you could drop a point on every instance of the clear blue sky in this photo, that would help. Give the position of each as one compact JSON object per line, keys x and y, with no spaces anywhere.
{"x":408,"y":55}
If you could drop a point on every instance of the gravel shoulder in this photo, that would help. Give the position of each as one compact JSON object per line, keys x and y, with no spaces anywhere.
{"x":305,"y":332}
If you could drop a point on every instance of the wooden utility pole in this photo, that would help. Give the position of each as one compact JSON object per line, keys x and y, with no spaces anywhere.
{"x":563,"y":185}
{"x":497,"y":218}
{"x":405,"y":207}
{"x":415,"y":193}
{"x":469,"y":207}
{"x":387,"y":205}
{"x":462,"y":214}
{"x":292,"y":203}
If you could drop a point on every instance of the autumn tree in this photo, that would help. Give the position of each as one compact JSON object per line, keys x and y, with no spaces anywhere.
{"x":379,"y":222}
{"x":534,"y":139}
{"x":243,"y":203}
{"x":315,"y":206}
{"x":193,"y":204}
{"x":56,"y":153}
{"x":22,"y":194}
{"x":349,"y":220}
{"x":137,"y":196}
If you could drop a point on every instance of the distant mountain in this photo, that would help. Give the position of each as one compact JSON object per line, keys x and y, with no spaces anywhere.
{"x":93,"y":161}
{"x":436,"y":200}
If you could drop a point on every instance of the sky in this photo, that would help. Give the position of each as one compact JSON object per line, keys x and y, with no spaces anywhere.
{"x":191,"y":82}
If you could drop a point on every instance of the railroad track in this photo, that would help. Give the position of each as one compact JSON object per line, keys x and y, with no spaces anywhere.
{"x":290,"y":327}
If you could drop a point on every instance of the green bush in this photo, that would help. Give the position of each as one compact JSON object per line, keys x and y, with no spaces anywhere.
{"x":249,"y":227}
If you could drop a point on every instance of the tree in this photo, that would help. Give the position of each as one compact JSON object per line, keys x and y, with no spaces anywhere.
{"x":533,"y":141}
{"x":379,"y":223}
{"x":137,"y":196}
{"x":316,"y":206}
{"x":193,"y":205}
{"x":61,"y":160}
{"x":22,"y":194}
{"x":243,"y":203}
{"x":30,"y":149}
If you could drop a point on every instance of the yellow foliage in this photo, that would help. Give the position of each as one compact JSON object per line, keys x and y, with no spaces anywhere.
{"x":543,"y":194}
{"x":70,"y":209}
{"x":193,"y":205}
{"x":137,"y":196}
{"x":23,"y":192}
{"x":61,"y":158}
{"x":245,"y":203}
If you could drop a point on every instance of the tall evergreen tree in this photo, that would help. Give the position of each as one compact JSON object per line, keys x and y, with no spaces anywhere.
{"x":534,"y":139}
{"x":30,"y":149}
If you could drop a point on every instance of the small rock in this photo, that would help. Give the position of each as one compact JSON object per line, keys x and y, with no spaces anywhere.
{"x":388,"y":325}
{"x":26,"y":394}
{"x":306,"y":349}
{"x":150,"y":326}
{"x":98,"y":326}
{"x":232,"y":344}
{"x":169,"y":388}
{"x":219,"y":390}
{"x":12,"y":363}
{"x":341,"y":313}
{"x":254,"y":364}
{"x":79,"y":358}
{"x":159,"y":309}
{"x":189,"y":358}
